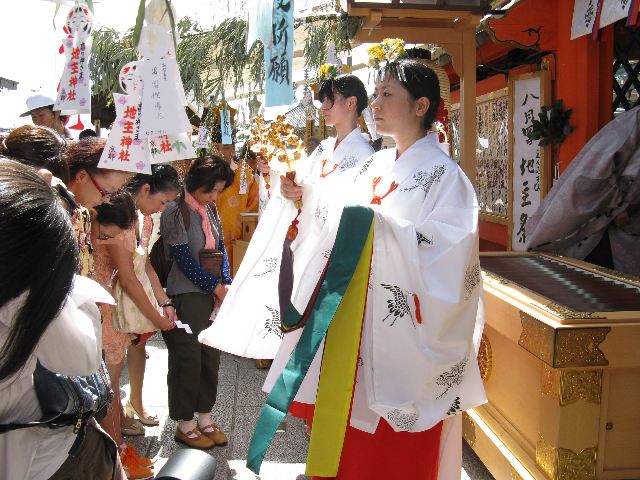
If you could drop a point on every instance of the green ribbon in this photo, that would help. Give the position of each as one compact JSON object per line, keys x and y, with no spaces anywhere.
{"x":351,"y":238}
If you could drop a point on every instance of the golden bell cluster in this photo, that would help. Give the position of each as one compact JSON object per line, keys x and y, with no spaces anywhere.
{"x":276,"y":140}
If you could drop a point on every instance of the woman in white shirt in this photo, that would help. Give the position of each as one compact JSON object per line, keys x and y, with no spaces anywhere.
{"x":47,"y":314}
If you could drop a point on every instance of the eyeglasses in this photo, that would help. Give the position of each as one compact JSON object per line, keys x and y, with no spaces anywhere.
{"x":102,"y":192}
{"x":102,"y":235}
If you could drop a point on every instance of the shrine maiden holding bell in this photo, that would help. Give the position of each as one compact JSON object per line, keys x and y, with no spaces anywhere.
{"x":416,"y":360}
{"x":247,"y":324}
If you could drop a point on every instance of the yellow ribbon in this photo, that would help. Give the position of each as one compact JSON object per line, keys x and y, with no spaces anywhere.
{"x":339,"y":363}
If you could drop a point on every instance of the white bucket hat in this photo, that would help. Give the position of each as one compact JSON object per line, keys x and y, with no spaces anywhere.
{"x":37,"y":101}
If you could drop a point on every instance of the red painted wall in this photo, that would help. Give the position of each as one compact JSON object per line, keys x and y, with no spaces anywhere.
{"x":582,"y":73}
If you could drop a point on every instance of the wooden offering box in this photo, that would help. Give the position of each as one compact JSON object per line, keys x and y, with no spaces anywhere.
{"x":560,"y":359}
{"x":249,"y":223}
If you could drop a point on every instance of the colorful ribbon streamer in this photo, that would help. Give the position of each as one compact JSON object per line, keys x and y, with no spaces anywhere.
{"x":353,"y":254}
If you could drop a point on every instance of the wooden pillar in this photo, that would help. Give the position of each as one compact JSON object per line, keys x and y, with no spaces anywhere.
{"x":468,"y":104}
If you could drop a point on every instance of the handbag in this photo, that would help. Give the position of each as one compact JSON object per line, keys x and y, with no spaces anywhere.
{"x":127,"y":317}
{"x":68,"y":400}
{"x":211,"y":261}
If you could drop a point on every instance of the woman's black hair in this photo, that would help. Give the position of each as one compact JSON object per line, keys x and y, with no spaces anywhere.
{"x":420,"y":81}
{"x":346,"y":85}
{"x":206,"y":172}
{"x":163,"y":178}
{"x":40,"y":147}
{"x":117,"y":209}
{"x":39,"y":256}
{"x":84,"y":155}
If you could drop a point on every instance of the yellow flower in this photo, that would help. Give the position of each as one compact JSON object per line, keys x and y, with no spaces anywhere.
{"x":389,"y":50}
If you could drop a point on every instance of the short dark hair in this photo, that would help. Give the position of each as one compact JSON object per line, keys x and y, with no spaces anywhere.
{"x":163,"y":178}
{"x":206,"y":172}
{"x":420,"y":81}
{"x":117,"y":209}
{"x":40,"y":147}
{"x":87,"y":133}
{"x":39,"y":257}
{"x":346,"y":85}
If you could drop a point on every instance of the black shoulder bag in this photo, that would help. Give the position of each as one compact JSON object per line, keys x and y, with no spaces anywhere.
{"x":68,"y":400}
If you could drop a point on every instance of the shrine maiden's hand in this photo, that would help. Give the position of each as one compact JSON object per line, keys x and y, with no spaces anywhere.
{"x":263,"y":166}
{"x":289,"y":189}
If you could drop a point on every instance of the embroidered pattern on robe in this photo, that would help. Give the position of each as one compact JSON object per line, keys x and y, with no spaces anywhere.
{"x":270,"y":264}
{"x":365,"y":166}
{"x":454,"y":409}
{"x":423,"y":239}
{"x":348,"y":162}
{"x":471,"y":280}
{"x":321,"y":212}
{"x":425,"y":180}
{"x":404,"y":421}
{"x":452,"y":377}
{"x":272,"y":324}
{"x":398,"y":306}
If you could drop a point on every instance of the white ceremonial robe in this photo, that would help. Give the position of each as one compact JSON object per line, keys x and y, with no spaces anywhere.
{"x":425,"y":244}
{"x":248,"y":323}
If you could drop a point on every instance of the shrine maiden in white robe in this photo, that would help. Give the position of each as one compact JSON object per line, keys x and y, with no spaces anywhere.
{"x":414,"y":369}
{"x":248,"y":323}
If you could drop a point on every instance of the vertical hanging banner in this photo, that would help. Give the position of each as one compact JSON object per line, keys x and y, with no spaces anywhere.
{"x":123,"y":150}
{"x":526,"y":161}
{"x":74,"y":92}
{"x":225,"y":127}
{"x":278,"y":56}
{"x":162,"y":112}
{"x":203,"y":137}
{"x":613,"y":10}
{"x":584,"y":17}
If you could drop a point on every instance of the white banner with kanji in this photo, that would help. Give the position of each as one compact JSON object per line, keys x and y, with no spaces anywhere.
{"x":584,"y":17}
{"x":125,"y":150}
{"x":613,"y":10}
{"x":527,"y":192}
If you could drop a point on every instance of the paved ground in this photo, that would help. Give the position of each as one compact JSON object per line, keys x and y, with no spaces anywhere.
{"x":240,"y":399}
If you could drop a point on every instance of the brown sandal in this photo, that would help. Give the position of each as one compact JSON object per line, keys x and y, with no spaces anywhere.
{"x":201,"y":441}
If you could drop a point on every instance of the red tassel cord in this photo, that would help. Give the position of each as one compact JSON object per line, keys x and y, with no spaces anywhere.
{"x":416,"y":303}
{"x":326,"y":174}
{"x":292,"y":232}
{"x":377,"y":199}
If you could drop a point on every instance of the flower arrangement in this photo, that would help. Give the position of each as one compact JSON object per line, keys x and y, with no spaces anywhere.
{"x":328,"y":70}
{"x":389,"y":50}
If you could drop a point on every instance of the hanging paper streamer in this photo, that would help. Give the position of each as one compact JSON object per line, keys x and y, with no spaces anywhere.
{"x":123,"y":150}
{"x":203,"y":137}
{"x":225,"y":127}
{"x":162,"y":112}
{"x":170,"y":147}
{"x":243,"y":177}
{"x":278,"y":56}
{"x":260,"y":17}
{"x":74,"y":92}
{"x":613,"y":10}
{"x":151,"y":124}
{"x":584,"y":17}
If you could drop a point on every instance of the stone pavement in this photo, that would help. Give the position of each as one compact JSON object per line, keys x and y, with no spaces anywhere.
{"x":240,"y":399}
